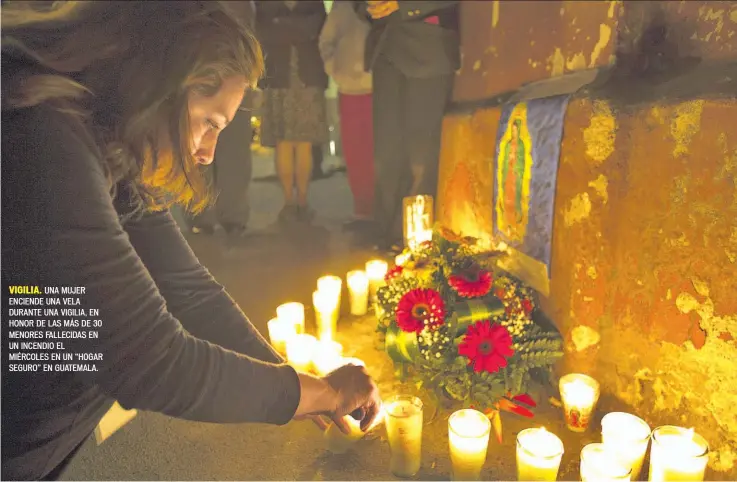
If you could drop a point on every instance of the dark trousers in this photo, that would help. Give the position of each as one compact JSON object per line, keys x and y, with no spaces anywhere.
{"x":408,"y":118}
{"x":232,"y":175}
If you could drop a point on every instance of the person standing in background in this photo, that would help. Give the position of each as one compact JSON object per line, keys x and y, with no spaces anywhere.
{"x":342,"y":46}
{"x":294,"y":112}
{"x":413,"y":51}
{"x":231,"y":173}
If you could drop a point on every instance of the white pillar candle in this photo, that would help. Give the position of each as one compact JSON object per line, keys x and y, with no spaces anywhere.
{"x":327,"y":356}
{"x":628,"y":436}
{"x":326,"y":314}
{"x":300,"y":351}
{"x":358,"y":287}
{"x":376,"y":270}
{"x":468,"y":436}
{"x":331,"y":285}
{"x":678,"y":454}
{"x":294,"y":313}
{"x":579,"y":394}
{"x":404,"y":431}
{"x":279,"y":332}
{"x":600,"y":463}
{"x":538,"y":455}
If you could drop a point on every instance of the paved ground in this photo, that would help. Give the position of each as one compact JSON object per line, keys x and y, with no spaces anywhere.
{"x":261,"y":274}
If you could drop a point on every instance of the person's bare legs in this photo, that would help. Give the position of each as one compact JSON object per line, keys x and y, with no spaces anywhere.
{"x":303,"y":176}
{"x":284,"y":157}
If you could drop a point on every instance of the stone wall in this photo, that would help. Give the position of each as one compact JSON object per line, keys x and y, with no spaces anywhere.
{"x":644,"y":266}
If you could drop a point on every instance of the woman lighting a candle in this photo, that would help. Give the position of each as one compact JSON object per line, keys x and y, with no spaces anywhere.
{"x":106,"y":117}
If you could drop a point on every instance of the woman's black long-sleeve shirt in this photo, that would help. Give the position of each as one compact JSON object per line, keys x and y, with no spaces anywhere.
{"x":172,"y":340}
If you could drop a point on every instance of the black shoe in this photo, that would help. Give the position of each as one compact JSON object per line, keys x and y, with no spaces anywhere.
{"x":305,"y":214}
{"x":288,"y":214}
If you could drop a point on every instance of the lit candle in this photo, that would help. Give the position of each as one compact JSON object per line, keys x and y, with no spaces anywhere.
{"x":468,"y":435}
{"x":294,"y":313}
{"x":326,"y":313}
{"x":376,"y":270}
{"x":600,"y":464}
{"x":678,"y":454}
{"x":579,"y":394}
{"x":402,"y":258}
{"x":352,"y":361}
{"x":404,"y":431}
{"x":279,"y":332}
{"x":418,"y":220}
{"x":300,"y":351}
{"x":358,"y":287}
{"x":538,"y":455}
{"x":338,"y":442}
{"x":331,"y":285}
{"x":628,"y":436}
{"x":327,"y":356}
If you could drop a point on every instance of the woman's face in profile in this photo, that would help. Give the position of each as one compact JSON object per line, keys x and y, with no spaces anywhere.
{"x":208,"y":116}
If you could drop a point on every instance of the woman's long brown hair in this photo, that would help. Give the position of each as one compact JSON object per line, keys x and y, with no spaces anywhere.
{"x":129,"y":66}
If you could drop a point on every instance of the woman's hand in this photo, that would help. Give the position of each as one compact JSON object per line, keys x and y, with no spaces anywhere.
{"x":347,"y":390}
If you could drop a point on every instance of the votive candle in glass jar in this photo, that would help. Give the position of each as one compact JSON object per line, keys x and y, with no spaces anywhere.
{"x":600,"y":464}
{"x":326,"y":313}
{"x":468,"y":437}
{"x":404,"y":431}
{"x":358,"y":289}
{"x":628,"y":437}
{"x":678,"y":454}
{"x":279,"y":332}
{"x":300,"y":350}
{"x":292,"y":312}
{"x":538,"y":455}
{"x":579,"y":394}
{"x":376,"y":270}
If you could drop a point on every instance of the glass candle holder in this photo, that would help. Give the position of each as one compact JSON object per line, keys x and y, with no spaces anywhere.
{"x":418,"y":220}
{"x":332,"y":285}
{"x":628,"y":437}
{"x":300,"y":350}
{"x":468,"y":437}
{"x":600,"y":464}
{"x":279,"y":332}
{"x":538,"y":455}
{"x":292,"y":312}
{"x":338,"y":442}
{"x":376,"y":270}
{"x":678,"y":454}
{"x":328,"y":356}
{"x":579,"y":394}
{"x":358,"y":289}
{"x":326,"y":313}
{"x":404,"y":416}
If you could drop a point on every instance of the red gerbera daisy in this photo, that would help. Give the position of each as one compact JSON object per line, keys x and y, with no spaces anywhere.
{"x":471,"y":283}
{"x":418,"y":308}
{"x":487,"y":346}
{"x":393,"y":273}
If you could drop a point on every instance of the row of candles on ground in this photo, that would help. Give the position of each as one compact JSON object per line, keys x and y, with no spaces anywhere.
{"x":677,"y":454}
{"x":321,"y":353}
